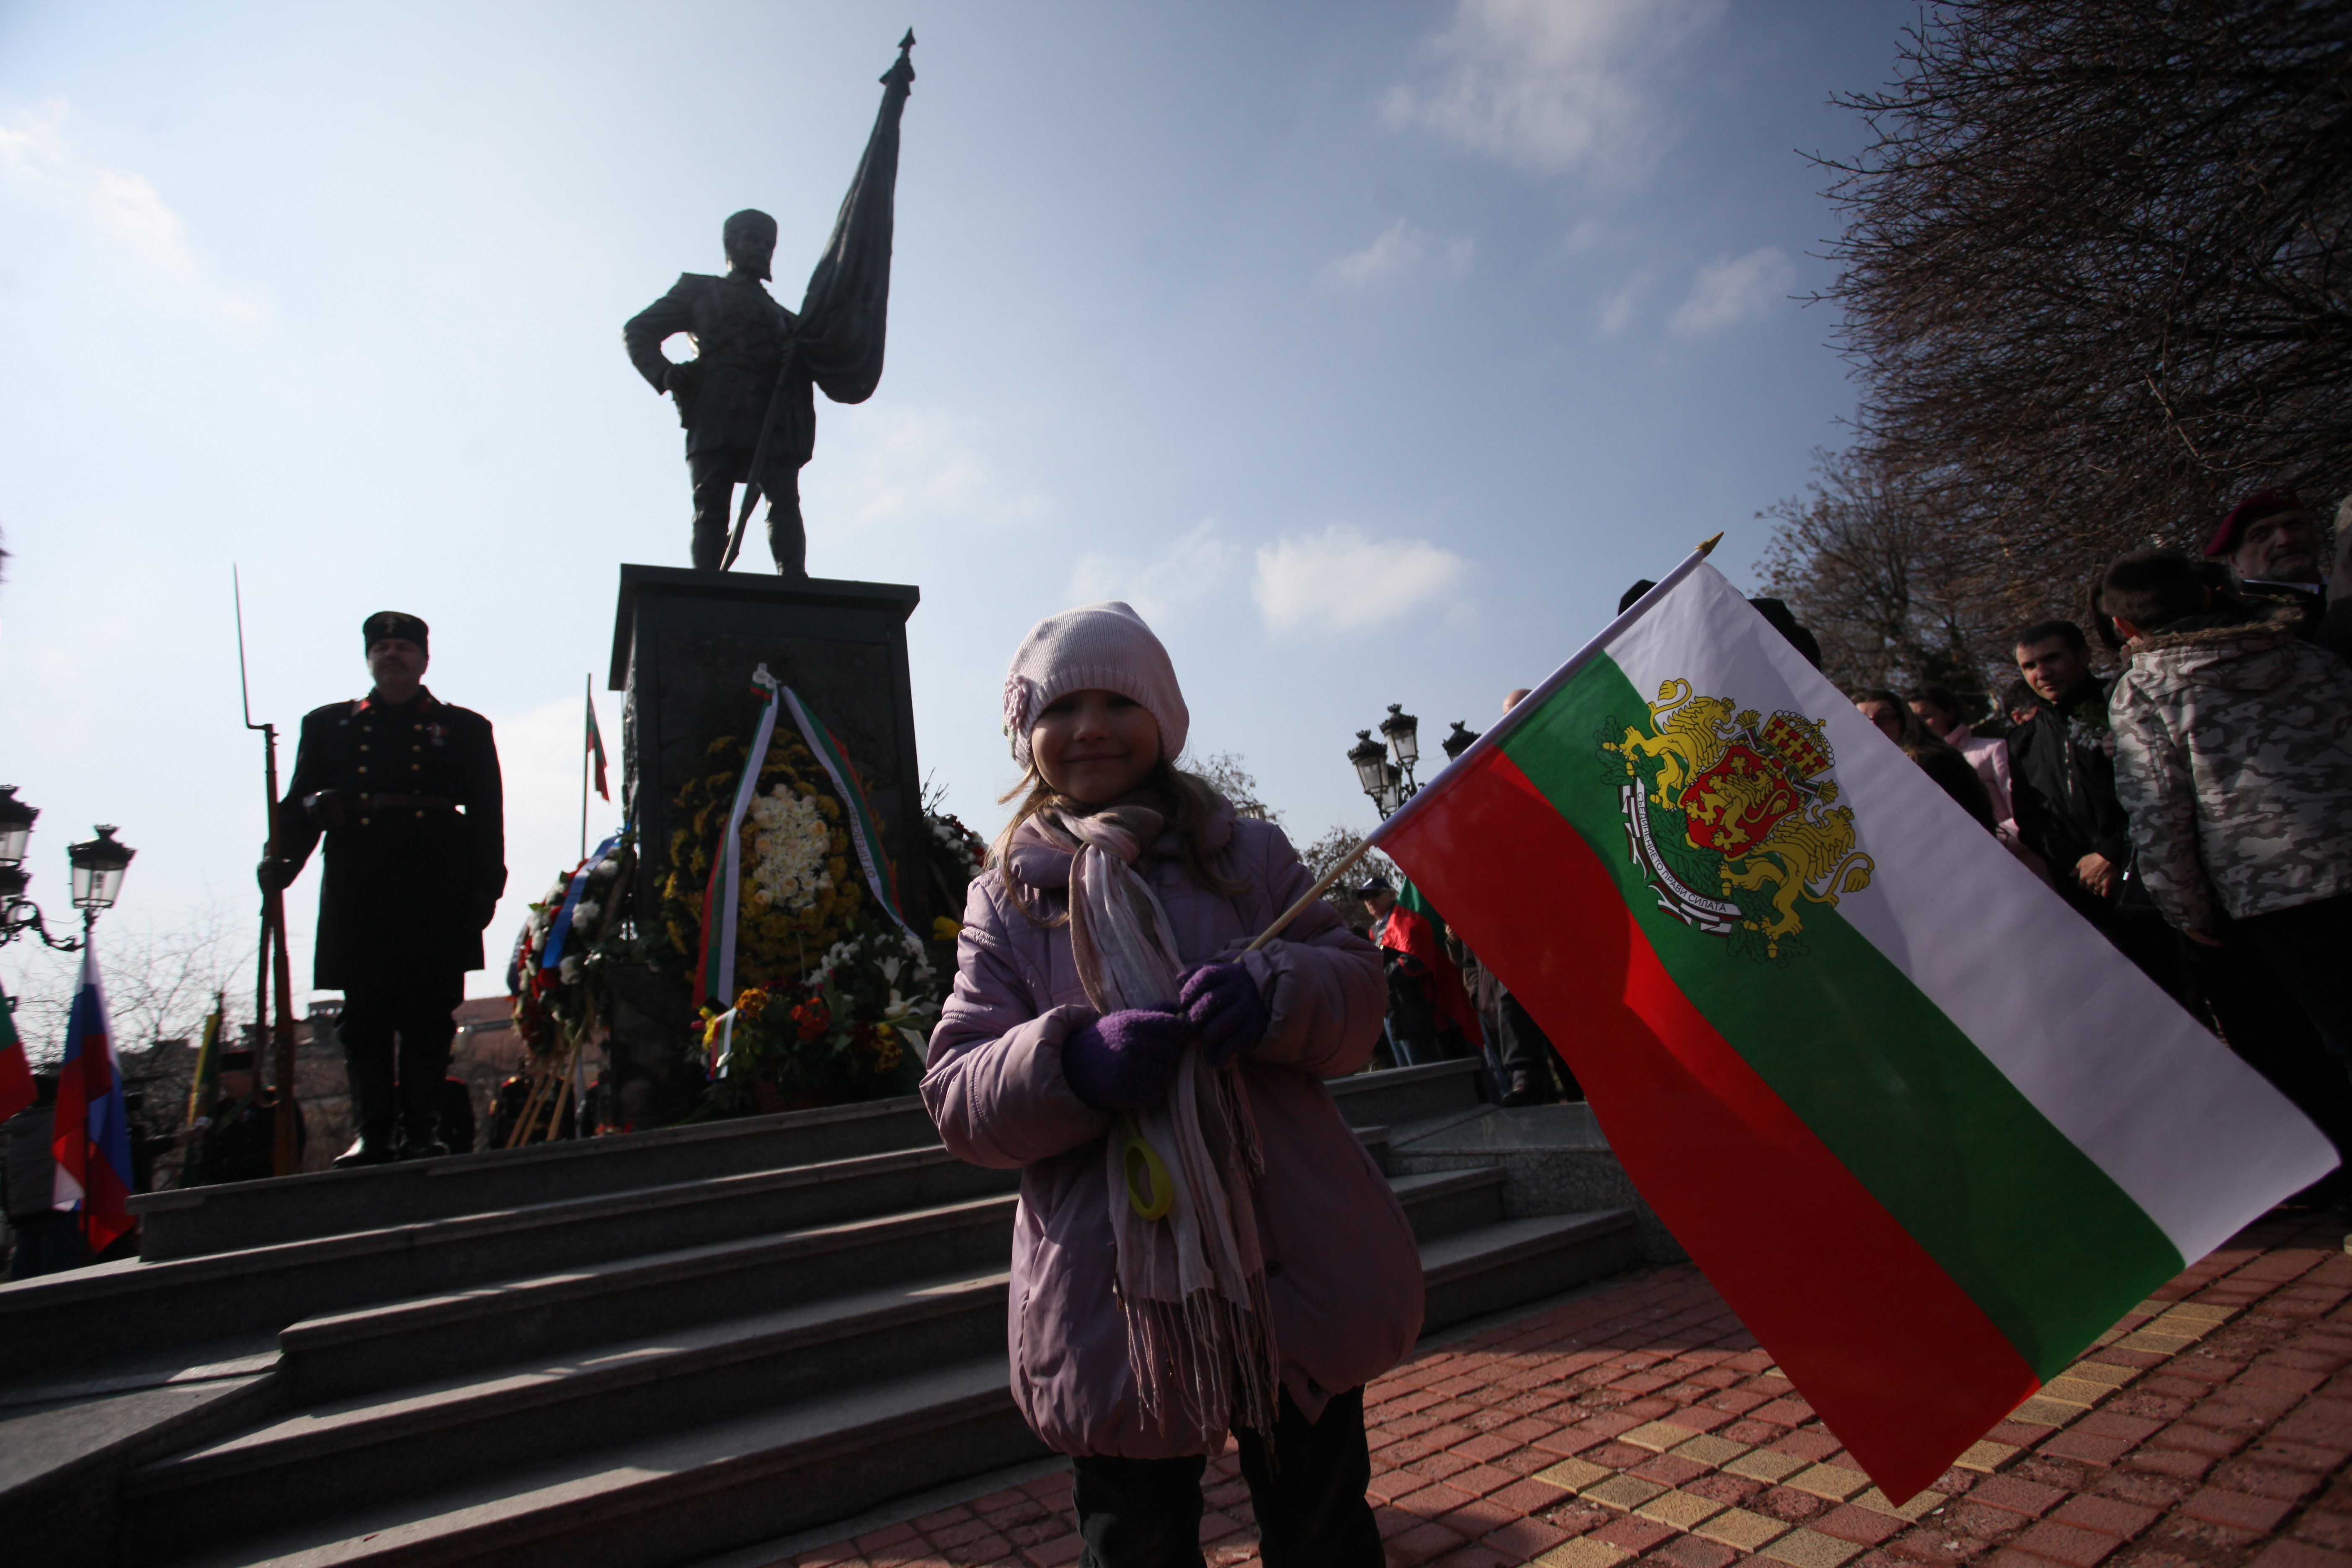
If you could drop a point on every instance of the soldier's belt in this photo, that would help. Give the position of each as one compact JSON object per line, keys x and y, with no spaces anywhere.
{"x":405,"y":803}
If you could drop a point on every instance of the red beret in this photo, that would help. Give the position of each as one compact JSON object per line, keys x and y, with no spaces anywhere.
{"x":2253,"y":509}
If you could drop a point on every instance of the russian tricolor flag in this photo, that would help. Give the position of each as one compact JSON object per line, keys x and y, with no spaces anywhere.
{"x":93,"y":1136}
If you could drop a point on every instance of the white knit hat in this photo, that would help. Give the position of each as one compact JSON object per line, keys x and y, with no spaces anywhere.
{"x":1094,"y":647}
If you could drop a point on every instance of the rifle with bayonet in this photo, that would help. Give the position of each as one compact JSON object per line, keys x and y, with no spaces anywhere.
{"x":270,"y":962}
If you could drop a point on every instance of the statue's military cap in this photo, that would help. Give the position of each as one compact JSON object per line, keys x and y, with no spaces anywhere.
{"x":387,"y":624}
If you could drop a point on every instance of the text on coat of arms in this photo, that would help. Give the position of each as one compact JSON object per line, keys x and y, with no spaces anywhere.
{"x":1755,"y":791}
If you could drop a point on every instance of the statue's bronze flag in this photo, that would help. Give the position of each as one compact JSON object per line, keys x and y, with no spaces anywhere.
{"x":844,"y":315}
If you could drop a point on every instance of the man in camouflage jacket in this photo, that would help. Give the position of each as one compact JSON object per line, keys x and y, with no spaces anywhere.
{"x":2233,"y":756}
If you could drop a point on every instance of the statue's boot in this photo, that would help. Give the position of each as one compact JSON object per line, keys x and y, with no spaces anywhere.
{"x":370,"y":1072}
{"x":788,"y":538}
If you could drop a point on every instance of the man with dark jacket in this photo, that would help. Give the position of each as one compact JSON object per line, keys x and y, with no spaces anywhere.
{"x":2062,"y":776}
{"x":47,"y":1239}
{"x":405,"y":789}
{"x":2274,"y":552}
{"x":1430,"y":1016}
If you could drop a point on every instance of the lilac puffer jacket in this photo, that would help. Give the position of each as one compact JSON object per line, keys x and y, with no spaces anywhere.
{"x":1343,"y":1272}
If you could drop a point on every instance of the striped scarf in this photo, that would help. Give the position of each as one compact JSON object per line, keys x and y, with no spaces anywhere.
{"x":1191,"y":1284}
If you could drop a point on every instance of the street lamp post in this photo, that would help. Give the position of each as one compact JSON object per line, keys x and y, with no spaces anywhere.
{"x":1385,"y":772}
{"x":98,"y":868}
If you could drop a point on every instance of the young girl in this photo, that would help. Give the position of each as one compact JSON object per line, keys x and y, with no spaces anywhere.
{"x":1202,"y":1245}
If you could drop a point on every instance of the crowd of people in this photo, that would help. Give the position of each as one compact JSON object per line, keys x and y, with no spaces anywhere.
{"x":2197,"y":807}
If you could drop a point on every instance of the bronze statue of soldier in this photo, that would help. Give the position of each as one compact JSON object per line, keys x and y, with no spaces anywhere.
{"x":746,"y":399}
{"x":722,"y":394}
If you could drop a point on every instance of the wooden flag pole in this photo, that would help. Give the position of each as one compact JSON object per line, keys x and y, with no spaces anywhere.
{"x":587,"y":762}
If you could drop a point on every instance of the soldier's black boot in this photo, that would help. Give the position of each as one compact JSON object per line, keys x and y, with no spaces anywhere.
{"x":423,"y":1064}
{"x":420,"y":1116}
{"x":370,"y":1073}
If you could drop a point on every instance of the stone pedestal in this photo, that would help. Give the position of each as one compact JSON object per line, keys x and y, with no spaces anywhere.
{"x":685,"y":644}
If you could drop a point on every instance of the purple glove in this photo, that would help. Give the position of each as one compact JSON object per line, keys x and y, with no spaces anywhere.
{"x":1126,"y":1061}
{"x":1222,"y":1004}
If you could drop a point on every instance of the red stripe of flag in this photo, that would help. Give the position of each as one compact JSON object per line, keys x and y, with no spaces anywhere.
{"x":15,"y":1072}
{"x":1890,"y":1351}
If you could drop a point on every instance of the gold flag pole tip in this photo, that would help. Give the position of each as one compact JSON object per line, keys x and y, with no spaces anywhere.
{"x":1707,"y":546}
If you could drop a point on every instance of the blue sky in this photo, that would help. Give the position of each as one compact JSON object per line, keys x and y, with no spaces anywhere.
{"x":1369,"y":349}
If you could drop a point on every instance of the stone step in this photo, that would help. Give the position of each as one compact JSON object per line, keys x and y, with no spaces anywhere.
{"x":238,"y":1215}
{"x":241,"y":1216}
{"x":1403,"y":1095}
{"x":49,"y":1323}
{"x":409,"y":1341}
{"x":336,"y":1458}
{"x":668,"y":1501}
{"x":1514,"y":1261}
{"x":332,"y":1462}
{"x":1465,"y":1199}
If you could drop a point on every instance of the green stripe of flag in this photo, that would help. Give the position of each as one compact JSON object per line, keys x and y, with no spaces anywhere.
{"x":2039,"y":1236}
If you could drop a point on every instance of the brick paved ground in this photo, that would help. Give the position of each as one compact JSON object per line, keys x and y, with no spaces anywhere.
{"x":2211,"y":1428}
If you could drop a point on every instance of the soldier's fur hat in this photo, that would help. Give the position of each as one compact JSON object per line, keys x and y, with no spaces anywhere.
{"x":387,"y":624}
{"x":748,"y":219}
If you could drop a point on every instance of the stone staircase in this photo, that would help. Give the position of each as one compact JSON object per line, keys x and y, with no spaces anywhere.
{"x":640,"y":1350}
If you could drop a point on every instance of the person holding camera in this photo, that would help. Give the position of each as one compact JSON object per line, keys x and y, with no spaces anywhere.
{"x":405,"y":790}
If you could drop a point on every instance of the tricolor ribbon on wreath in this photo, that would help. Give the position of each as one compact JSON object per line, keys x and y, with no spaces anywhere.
{"x":714,"y":975}
{"x":561,"y":932}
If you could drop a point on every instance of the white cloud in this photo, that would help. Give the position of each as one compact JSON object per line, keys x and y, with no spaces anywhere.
{"x":1617,"y":312}
{"x":1584,"y":236}
{"x":1195,"y":563}
{"x":1401,"y":252}
{"x":125,"y":211}
{"x":1554,"y":86}
{"x":1339,"y":581}
{"x":1727,"y":292}
{"x":908,"y":464}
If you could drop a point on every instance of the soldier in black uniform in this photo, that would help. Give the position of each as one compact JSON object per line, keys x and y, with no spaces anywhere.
{"x":722,"y":394}
{"x":406,"y":790}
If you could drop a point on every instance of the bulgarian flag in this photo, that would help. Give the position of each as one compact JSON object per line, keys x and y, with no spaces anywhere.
{"x":1928,"y":1133}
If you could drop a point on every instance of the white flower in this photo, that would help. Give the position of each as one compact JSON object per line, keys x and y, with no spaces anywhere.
{"x":568,"y":969}
{"x":894,"y":1011}
{"x":790,"y":841}
{"x":585,"y":910}
{"x":890,"y":967}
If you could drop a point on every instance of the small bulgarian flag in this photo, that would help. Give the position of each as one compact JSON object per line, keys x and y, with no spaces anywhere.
{"x":595,"y":755}
{"x":1925,"y":1128}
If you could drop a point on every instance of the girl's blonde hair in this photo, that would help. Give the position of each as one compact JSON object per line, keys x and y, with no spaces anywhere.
{"x":1187,"y":801}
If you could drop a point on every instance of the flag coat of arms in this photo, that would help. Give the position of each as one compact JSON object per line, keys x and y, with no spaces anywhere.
{"x":92,"y":1142}
{"x":1925,"y":1128}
